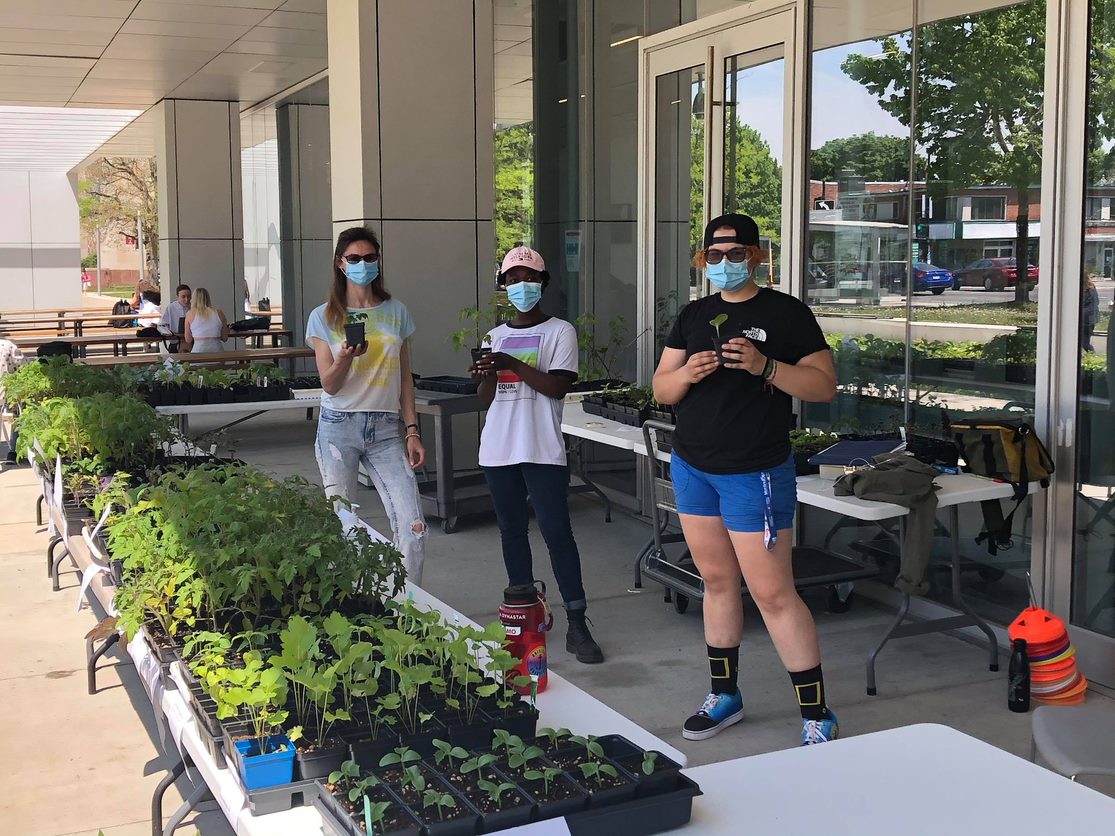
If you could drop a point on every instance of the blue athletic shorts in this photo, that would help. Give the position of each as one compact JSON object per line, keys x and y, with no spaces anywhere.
{"x":737,"y":497}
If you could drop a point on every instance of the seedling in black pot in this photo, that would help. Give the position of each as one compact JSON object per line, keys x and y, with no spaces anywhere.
{"x":355,"y":335}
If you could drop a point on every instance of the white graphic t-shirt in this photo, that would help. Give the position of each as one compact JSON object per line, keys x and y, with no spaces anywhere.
{"x":522,"y":424}
{"x":373,"y":383}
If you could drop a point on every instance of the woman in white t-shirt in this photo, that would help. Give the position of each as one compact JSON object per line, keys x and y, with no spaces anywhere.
{"x":368,"y":414}
{"x":523,"y":383}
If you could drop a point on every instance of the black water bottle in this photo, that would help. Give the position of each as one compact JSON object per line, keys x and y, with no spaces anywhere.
{"x":1018,"y":678}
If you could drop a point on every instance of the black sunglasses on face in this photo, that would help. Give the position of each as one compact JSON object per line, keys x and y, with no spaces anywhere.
{"x":735,"y":256}
{"x":370,"y":258}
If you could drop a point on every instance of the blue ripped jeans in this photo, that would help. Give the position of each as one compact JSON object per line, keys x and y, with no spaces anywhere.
{"x":347,"y":439}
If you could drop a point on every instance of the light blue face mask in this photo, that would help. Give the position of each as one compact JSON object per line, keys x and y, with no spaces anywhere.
{"x":524,"y":295}
{"x":362,"y":273}
{"x":728,"y":275}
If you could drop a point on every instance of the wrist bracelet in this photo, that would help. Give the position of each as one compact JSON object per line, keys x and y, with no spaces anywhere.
{"x":411,"y":426}
{"x":773,"y":373}
{"x":768,"y":369}
{"x":413,"y":435}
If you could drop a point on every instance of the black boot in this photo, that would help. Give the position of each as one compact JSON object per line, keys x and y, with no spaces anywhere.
{"x":580,"y":641}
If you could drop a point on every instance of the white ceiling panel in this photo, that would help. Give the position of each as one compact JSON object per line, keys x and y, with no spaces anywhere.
{"x":49,"y":49}
{"x":194,"y":13}
{"x":54,"y":139}
{"x":210,"y":32}
{"x":119,"y":9}
{"x":294,"y":20}
{"x":170,"y":73}
{"x":315,"y":6}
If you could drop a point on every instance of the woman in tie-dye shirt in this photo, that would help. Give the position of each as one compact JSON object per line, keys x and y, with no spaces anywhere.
{"x":368,"y":414}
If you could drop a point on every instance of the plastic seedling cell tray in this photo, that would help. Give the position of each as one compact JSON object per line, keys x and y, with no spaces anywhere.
{"x":641,"y":817}
{"x":321,"y":762}
{"x":279,"y":799}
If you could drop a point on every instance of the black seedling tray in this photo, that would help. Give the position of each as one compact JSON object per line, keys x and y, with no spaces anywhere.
{"x":448,"y":383}
{"x":642,"y":816}
{"x":282,"y":798}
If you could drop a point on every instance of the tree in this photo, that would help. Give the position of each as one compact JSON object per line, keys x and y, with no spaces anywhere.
{"x":514,"y":155}
{"x":980,"y":85}
{"x":871,"y":156}
{"x":752,"y":181}
{"x":112,"y":192}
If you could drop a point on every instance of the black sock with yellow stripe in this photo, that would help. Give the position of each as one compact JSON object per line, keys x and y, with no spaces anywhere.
{"x":809,"y":687}
{"x":723,"y":663}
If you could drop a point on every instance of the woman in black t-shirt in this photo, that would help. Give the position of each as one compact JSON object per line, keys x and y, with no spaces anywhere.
{"x":733,"y":470}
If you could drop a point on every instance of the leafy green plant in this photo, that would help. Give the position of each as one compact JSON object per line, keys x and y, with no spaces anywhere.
{"x":60,"y":377}
{"x":448,"y":752}
{"x":596,"y":771}
{"x":496,"y":792}
{"x":599,"y":359}
{"x":649,"y":759}
{"x":442,"y":800}
{"x":481,"y":321}
{"x":554,"y":735}
{"x":524,"y":756}
{"x":717,"y":321}
{"x":478,"y":764}
{"x":592,"y":747}
{"x":255,"y":689}
{"x":413,"y":777}
{"x":503,"y":739}
{"x":546,"y":775}
{"x":375,"y":811}
{"x":400,"y":757}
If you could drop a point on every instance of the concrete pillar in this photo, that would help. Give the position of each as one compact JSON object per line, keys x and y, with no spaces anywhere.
{"x":411,"y":101}
{"x":201,"y":217}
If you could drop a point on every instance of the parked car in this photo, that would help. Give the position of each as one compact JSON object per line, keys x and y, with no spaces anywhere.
{"x":992,"y":274}
{"x":927,"y":277}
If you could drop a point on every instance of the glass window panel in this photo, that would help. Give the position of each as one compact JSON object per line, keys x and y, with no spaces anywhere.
{"x":1093,"y":587}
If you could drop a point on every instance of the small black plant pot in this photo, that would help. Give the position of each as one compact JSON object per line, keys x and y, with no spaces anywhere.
{"x":223,"y":395}
{"x":321,"y":762}
{"x":598,"y":384}
{"x":662,"y":779}
{"x":477,"y":353}
{"x":593,"y":405}
{"x":718,"y":344}
{"x":508,"y":817}
{"x":198,"y":395}
{"x":367,"y":750}
{"x":472,"y":735}
{"x":422,"y":740}
{"x":665,"y":414}
{"x":520,"y":719}
{"x":575,"y":798}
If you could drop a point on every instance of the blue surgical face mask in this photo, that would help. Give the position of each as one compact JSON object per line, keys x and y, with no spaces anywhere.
{"x":524,"y":295}
{"x":362,"y":273}
{"x":728,"y":275}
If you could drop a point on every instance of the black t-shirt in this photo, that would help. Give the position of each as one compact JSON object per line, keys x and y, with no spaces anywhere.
{"x":732,"y":421}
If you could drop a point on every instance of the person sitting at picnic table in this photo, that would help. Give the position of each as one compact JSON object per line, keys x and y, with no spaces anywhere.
{"x":174,"y":317}
{"x":206,"y":326}
{"x":147,"y":311}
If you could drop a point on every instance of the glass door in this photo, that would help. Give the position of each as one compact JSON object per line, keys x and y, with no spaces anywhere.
{"x":716,"y":117}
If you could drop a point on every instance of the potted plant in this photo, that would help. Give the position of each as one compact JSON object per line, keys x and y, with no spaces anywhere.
{"x":719,"y":341}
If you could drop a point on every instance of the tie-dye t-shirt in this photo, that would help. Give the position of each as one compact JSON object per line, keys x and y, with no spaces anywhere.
{"x":374,"y":380}
{"x":522,"y":424}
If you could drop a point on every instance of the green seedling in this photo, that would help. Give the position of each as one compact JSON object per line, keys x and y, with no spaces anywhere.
{"x":596,"y":771}
{"x":400,"y":757}
{"x":447,"y":752}
{"x":442,"y":800}
{"x":594,"y":750}
{"x":649,"y":759}
{"x":524,"y":756}
{"x":496,"y":791}
{"x":545,"y":775}
{"x":503,"y":739}
{"x":717,"y":321}
{"x":374,"y":811}
{"x":554,"y":735}
{"x":350,"y":769}
{"x":477,"y":764}
{"x":413,"y":777}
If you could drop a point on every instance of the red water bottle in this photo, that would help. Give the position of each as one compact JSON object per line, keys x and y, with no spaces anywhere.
{"x":526,"y":618}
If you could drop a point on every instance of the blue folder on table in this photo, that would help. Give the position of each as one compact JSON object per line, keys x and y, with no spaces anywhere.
{"x":844,"y":453}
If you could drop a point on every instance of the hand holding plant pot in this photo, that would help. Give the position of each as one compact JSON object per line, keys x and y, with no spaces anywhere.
{"x":740,"y":353}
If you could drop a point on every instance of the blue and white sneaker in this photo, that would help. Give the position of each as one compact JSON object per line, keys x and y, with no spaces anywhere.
{"x":716,"y":713}
{"x":819,"y":731}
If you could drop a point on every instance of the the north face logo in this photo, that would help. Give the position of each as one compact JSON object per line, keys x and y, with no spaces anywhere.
{"x":755,"y":334}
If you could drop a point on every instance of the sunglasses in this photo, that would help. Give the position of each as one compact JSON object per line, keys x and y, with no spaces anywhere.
{"x":739,"y":254}
{"x":370,"y":258}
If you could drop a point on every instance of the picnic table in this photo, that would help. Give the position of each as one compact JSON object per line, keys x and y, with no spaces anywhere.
{"x":70,"y":322}
{"x":121,"y":339}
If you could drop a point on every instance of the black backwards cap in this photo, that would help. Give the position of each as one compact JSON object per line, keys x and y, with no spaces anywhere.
{"x":746,"y":230}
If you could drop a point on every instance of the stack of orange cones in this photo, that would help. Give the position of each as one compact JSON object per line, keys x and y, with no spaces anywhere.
{"x":1054,"y":678}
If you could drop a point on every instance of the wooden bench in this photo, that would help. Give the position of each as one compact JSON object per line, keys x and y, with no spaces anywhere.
{"x":223,"y":358}
{"x":121,"y":340}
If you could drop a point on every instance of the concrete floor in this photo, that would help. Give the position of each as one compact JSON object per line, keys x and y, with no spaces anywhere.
{"x":656,"y":672}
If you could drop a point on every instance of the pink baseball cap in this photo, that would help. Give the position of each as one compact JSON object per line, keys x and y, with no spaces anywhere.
{"x":522,"y":257}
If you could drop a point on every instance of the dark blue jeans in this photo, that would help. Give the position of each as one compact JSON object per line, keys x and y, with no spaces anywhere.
{"x":547,"y":486}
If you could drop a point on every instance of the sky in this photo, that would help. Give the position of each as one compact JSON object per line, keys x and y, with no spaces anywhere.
{"x":841,"y":106}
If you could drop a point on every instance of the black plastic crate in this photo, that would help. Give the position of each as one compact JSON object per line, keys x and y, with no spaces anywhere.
{"x":642,"y":816}
{"x":282,"y":798}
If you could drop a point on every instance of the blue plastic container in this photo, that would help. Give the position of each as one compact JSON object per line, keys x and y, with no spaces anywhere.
{"x":271,"y":768}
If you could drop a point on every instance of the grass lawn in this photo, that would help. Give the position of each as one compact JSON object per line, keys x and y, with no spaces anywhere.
{"x":1003,"y":313}
{"x":120,"y":291}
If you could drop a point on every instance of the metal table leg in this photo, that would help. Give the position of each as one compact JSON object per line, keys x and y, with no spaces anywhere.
{"x":56,"y":564}
{"x":50,"y":547}
{"x":157,"y":798}
{"x":39,"y":510}
{"x":200,"y":793}
{"x":443,"y":450}
{"x":894,"y":625}
{"x":958,"y":596}
{"x":93,"y":656}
